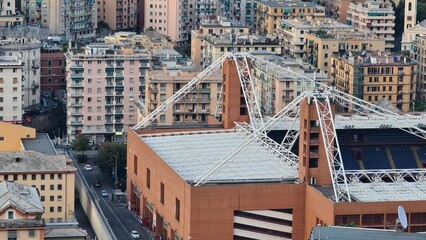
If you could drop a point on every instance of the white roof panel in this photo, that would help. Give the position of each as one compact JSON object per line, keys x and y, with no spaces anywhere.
{"x":193,"y":153}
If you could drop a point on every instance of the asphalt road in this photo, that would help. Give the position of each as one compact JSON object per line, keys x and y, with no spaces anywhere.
{"x":121,"y":220}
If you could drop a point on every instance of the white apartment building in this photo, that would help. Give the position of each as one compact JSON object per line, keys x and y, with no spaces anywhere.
{"x":10,"y":89}
{"x":374,"y":18}
{"x":104,"y":83}
{"x":73,"y":19}
{"x":8,"y":15}
{"x":292,"y":32}
{"x":243,"y":11}
{"x":28,"y":50}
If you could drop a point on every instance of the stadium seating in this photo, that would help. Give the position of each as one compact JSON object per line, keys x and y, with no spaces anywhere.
{"x":403,"y":157}
{"x":349,"y":160}
{"x":375,"y":158}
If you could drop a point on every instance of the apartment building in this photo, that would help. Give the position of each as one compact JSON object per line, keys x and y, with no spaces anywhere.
{"x":8,"y":16}
{"x":419,"y":54}
{"x":374,"y":18}
{"x":28,"y":50}
{"x":52,"y":68}
{"x":170,"y":76}
{"x":215,"y":26}
{"x":292,"y":32}
{"x":73,"y":19}
{"x":338,"y":9}
{"x":103,"y":83}
{"x":375,"y":76}
{"x":118,"y":14}
{"x":269,"y":12}
{"x":21,"y":212}
{"x":149,"y":39}
{"x":276,"y":88}
{"x":321,"y":45}
{"x":11,"y":89}
{"x":216,"y":45}
{"x":243,"y":11}
{"x":176,"y":19}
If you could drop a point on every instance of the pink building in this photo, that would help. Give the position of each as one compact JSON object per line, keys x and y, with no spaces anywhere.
{"x":104,"y":82}
{"x":52,"y":69}
{"x":118,"y":14}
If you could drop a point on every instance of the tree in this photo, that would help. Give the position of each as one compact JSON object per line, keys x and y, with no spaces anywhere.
{"x":108,"y":153}
{"x":81,"y":143}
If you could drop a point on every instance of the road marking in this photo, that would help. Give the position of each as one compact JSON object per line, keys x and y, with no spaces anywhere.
{"x":115,"y":217}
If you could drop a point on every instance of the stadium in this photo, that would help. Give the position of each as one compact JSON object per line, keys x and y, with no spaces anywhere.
{"x":326,"y":158}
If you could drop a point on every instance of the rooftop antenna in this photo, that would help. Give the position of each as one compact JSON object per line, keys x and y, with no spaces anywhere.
{"x":402,"y":218}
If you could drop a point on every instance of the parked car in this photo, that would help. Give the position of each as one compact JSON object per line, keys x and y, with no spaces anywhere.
{"x":46,"y":94}
{"x":88,"y":167}
{"x":98,"y":183}
{"x":104,"y":193}
{"x":135,"y":234}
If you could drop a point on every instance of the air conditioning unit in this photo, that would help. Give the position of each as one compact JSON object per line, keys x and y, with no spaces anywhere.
{"x":313,"y":181}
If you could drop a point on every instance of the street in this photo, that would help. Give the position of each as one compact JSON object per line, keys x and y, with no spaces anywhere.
{"x":121,"y":220}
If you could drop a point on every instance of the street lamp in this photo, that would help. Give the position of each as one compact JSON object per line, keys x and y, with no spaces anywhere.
{"x":115,"y":179}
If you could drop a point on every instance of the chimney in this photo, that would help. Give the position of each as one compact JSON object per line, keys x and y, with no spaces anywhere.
{"x":18,"y":159}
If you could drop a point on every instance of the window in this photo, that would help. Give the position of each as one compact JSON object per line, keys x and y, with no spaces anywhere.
{"x":10,"y":215}
{"x":42,"y":176}
{"x":42,"y":198}
{"x":31,"y":233}
{"x":52,"y":209}
{"x":52,"y":198}
{"x":59,"y":209}
{"x":162,"y":193}
{"x":148,"y":178}
{"x":15,"y":177}
{"x":59,"y":198}
{"x":59,"y":176}
{"x":33,"y":177}
{"x":12,"y":235}
{"x":42,"y":187}
{"x":24,"y":177}
{"x":52,"y":176}
{"x":59,"y":186}
{"x":52,"y":187}
{"x":135,"y":164}
{"x":177,"y":213}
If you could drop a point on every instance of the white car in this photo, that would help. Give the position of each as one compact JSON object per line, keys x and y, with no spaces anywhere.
{"x":135,"y":234}
{"x":104,"y":193}
{"x":88,"y":167}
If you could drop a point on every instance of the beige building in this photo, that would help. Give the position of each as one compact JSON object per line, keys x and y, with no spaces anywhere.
{"x":375,"y":19}
{"x":292,"y":32}
{"x":275,"y":89}
{"x":214,"y":27}
{"x":374,"y":77}
{"x":73,"y":19}
{"x":419,"y":54}
{"x":118,"y":14}
{"x":11,"y":89}
{"x":321,"y":45}
{"x":28,"y":51}
{"x":177,"y":19}
{"x":268,"y":12}
{"x":196,"y":107}
{"x":338,"y":9}
{"x":104,"y":81}
{"x":149,"y":39}
{"x":21,"y":212}
{"x":8,"y":15}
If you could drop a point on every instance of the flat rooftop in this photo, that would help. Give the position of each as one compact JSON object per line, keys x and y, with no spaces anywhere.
{"x":191,"y":154}
{"x":41,"y":144}
{"x":348,"y":233}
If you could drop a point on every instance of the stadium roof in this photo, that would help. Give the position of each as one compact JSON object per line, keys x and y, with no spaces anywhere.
{"x":349,"y":233}
{"x":191,"y":154}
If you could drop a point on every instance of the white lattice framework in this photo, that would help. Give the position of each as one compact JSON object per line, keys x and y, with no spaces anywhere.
{"x":331,"y":147}
{"x":249,"y":92}
{"x":291,"y":136}
{"x":219,"y":105}
{"x":287,"y":110}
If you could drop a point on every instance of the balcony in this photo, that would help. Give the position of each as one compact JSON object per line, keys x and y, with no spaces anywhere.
{"x":76,"y":104}
{"x":77,"y":94}
{"x":76,"y":113}
{"x":75,"y":123}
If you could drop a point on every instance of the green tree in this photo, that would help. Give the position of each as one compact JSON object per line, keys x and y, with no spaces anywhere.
{"x":81,"y":143}
{"x":108,"y":153}
{"x":421,"y":11}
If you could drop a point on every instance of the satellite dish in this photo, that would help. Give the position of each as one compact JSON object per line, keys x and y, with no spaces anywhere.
{"x":402,"y":217}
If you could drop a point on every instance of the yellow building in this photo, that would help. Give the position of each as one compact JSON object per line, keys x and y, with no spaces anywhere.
{"x":11,"y":136}
{"x":374,"y":77}
{"x":30,"y":159}
{"x":150,"y":40}
{"x":268,"y":12}
{"x":20,"y":213}
{"x":321,"y":45}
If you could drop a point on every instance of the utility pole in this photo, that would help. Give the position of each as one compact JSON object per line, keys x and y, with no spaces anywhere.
{"x":115,"y":178}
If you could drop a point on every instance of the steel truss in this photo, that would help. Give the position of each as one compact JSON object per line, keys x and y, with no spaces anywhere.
{"x":332,"y":149}
{"x":249,"y":91}
{"x":181,"y":93}
{"x":252,"y":136}
{"x":291,"y":136}
{"x":388,"y":184}
{"x":219,"y":105}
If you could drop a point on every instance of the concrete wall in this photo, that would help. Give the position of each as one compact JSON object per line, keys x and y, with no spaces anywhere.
{"x":92,"y":209}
